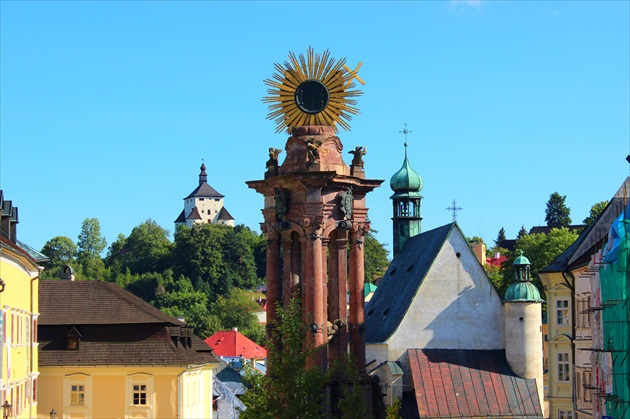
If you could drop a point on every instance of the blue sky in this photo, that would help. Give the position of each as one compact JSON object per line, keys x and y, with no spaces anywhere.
{"x":107,"y":108}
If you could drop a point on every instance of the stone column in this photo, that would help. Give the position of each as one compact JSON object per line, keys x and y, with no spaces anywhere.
{"x":357,"y":315}
{"x":337,"y":295}
{"x":287,"y":271}
{"x":274,"y":280}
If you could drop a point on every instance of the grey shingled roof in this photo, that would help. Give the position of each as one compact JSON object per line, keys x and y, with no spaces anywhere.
{"x":401,"y":282}
{"x":204,"y":191}
{"x":94,"y":302}
{"x":224,"y":215}
{"x":116,"y":328}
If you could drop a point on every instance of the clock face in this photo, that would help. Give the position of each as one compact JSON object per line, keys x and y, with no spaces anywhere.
{"x":311,"y":96}
{"x":312,"y":89}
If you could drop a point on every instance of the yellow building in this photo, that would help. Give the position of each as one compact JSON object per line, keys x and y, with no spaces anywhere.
{"x":105,"y":353}
{"x":19,"y":278}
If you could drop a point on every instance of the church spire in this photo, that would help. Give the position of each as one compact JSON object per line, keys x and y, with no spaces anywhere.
{"x":406,"y":184}
{"x":203,"y":177}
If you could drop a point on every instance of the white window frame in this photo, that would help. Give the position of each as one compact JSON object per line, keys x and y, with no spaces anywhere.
{"x":140,"y":410}
{"x":563,"y":365}
{"x":563,"y":312}
{"x":77,"y":379}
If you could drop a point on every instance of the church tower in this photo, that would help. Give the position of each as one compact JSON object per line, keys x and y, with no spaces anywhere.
{"x":406,"y":184}
{"x":523,"y":325}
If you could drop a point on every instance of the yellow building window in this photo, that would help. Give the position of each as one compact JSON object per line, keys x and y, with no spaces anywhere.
{"x":77,"y":395}
{"x":139,"y":394}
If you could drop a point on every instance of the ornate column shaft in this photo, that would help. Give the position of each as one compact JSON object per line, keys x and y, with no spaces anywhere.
{"x":337,"y":294}
{"x":274,"y":280}
{"x":357,"y":313}
{"x":287,"y":271}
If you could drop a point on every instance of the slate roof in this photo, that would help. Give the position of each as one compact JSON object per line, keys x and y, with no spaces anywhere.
{"x":401,"y":282}
{"x":194,"y":214}
{"x":115,"y":327}
{"x":204,"y":191}
{"x":224,"y":215}
{"x":94,"y":302}
{"x":232,"y":343}
{"x":181,"y":218}
{"x":470,"y":384}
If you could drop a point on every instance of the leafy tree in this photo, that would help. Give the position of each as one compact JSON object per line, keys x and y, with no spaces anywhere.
{"x":541,"y":249}
{"x":500,"y":237}
{"x":89,"y":247}
{"x":198,"y":254}
{"x":557,"y":213}
{"x":239,"y":256}
{"x":258,"y":245}
{"x":61,"y":250}
{"x":595,"y":211}
{"x":238,"y":309}
{"x":147,"y":247}
{"x":291,"y":389}
{"x":181,"y":300}
{"x":375,"y":257}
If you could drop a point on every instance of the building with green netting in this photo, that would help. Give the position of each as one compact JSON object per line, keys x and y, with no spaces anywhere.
{"x":614,"y":275}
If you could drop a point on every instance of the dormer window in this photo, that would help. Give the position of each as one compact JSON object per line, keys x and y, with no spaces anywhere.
{"x":73,"y":339}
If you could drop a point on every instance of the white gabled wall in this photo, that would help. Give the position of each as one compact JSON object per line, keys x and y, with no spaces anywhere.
{"x":456,"y":307}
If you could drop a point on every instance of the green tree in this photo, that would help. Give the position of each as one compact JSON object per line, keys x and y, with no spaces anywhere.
{"x":61,"y":250}
{"x":90,"y":244}
{"x":290,"y":389}
{"x":148,"y":248}
{"x":181,"y":300}
{"x":522,"y":232}
{"x":500,"y":237}
{"x":238,"y":309}
{"x":557,"y":213}
{"x":375,"y":257}
{"x":595,"y":211}
{"x":541,"y":249}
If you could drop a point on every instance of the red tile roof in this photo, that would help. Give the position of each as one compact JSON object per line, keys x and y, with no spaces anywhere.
{"x":496,"y":261}
{"x":470,"y":383}
{"x":232,"y":343}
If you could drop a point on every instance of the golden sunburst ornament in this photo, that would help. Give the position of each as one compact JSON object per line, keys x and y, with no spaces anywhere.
{"x":312,"y":90}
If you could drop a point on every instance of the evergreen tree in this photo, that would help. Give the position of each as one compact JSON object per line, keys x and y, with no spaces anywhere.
{"x":375,"y":257}
{"x":557,"y":213}
{"x":500,"y":237}
{"x":522,"y":232}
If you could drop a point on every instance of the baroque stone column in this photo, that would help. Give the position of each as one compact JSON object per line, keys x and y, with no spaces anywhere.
{"x":357,"y":279}
{"x":337,"y":294}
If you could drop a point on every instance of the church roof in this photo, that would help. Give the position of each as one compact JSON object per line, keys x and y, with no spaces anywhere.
{"x":470,"y":384}
{"x":231,"y":343}
{"x":224,"y":215}
{"x":401,"y":282}
{"x":204,"y":191}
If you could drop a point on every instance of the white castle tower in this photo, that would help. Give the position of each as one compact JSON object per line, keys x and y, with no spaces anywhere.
{"x":523,"y":326}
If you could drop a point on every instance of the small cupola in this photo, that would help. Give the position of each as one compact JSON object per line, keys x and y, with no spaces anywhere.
{"x":203,"y":177}
{"x":521,"y":289}
{"x":406,"y":180}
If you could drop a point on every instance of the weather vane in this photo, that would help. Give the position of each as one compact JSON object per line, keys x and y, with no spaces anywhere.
{"x":312,"y":90}
{"x":454,"y":208}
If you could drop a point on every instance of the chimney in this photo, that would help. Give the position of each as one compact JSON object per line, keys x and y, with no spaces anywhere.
{"x":235,"y":329}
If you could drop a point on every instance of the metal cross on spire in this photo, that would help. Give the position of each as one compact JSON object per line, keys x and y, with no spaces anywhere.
{"x":454,"y":208}
{"x":405,"y":132}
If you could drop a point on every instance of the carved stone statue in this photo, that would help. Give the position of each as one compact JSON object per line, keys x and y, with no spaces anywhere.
{"x":272,"y":163}
{"x":347,"y":201}
{"x":358,"y":153}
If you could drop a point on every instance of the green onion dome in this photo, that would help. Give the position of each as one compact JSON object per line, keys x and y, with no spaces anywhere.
{"x":406,"y":179}
{"x":522,"y":292}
